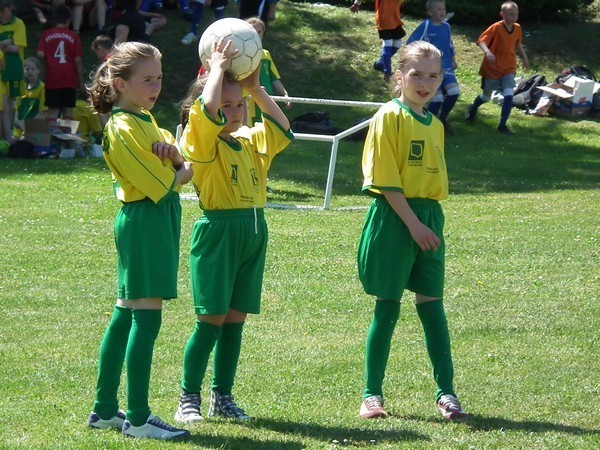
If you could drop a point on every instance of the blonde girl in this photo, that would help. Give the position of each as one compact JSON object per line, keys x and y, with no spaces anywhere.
{"x":147,"y":171}
{"x":404,"y":169}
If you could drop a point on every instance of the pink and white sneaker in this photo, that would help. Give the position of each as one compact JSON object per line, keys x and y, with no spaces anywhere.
{"x":450,"y":408}
{"x":372,"y":408}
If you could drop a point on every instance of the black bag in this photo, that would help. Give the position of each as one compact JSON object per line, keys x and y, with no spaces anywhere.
{"x":22,"y":149}
{"x":526,"y":95}
{"x":314,"y":122}
{"x":577,"y":71}
{"x":359,"y":135}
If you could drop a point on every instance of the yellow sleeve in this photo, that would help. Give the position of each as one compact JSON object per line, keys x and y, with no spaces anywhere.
{"x":380,"y":163}
{"x":197,"y":142}
{"x":138,"y":172}
{"x":20,"y":36}
{"x":42,"y":97}
{"x":269,"y":138}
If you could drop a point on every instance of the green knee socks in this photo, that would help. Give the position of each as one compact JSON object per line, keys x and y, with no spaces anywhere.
{"x":196,"y":354}
{"x":110,"y":362}
{"x":226,"y":357}
{"x":378,"y":345}
{"x":437,"y":342}
{"x":144,"y":330}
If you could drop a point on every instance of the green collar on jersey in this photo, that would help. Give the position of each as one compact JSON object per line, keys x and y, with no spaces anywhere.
{"x":234,"y":145}
{"x":142,"y":116}
{"x":424,"y":120}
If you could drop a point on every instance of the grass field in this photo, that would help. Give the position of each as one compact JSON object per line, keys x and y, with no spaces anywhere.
{"x":523,"y":275}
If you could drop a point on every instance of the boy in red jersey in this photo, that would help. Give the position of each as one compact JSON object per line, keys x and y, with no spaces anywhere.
{"x":60,"y":49}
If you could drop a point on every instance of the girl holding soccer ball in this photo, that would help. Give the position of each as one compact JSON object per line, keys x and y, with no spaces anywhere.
{"x":229,"y":241}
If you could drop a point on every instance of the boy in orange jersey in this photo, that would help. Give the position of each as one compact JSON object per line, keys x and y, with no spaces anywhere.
{"x":499,"y":44}
{"x":389,"y":27}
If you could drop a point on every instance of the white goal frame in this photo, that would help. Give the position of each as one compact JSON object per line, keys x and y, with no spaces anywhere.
{"x":335,"y":139}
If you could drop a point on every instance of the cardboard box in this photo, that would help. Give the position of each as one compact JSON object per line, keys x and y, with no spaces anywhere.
{"x":51,"y":137}
{"x":573,"y":98}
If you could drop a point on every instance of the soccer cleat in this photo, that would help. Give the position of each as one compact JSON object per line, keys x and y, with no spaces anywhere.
{"x":222,"y":405}
{"x":470,"y":116}
{"x":450,"y":408}
{"x":505,"y":130}
{"x":378,"y":66}
{"x":188,"y":38}
{"x":372,"y":408}
{"x":189,"y":408}
{"x":154,"y":428}
{"x":116,"y":422}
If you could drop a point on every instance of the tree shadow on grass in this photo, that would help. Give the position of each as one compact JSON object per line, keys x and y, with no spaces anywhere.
{"x":538,"y":158}
{"x":241,"y":443}
{"x":354,"y":436}
{"x":484,"y":423}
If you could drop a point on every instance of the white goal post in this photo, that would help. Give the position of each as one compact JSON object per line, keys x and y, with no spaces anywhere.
{"x":335,"y":139}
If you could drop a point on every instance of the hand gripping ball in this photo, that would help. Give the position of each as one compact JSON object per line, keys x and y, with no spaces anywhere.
{"x":243,"y":37}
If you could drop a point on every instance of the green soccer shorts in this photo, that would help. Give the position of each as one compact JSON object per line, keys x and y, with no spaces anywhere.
{"x":389,"y":260}
{"x":147,"y":240}
{"x":227,"y":261}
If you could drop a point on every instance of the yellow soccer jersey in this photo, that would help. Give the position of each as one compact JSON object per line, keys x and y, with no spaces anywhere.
{"x":405,"y":152}
{"x":137,"y":172}
{"x":231,"y":175}
{"x":32,"y":103}
{"x":89,"y":121}
{"x":15,"y":30}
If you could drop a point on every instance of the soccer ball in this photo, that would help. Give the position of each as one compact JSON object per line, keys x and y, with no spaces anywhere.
{"x":243,"y":37}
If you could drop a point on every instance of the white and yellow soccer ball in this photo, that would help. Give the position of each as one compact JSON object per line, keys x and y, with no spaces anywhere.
{"x":243,"y":37}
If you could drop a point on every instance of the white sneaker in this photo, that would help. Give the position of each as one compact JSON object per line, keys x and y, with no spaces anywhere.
{"x":116,"y":422}
{"x":372,"y":408}
{"x":222,"y":405}
{"x":154,"y":428}
{"x":189,"y":408}
{"x":450,"y":408}
{"x":188,"y":38}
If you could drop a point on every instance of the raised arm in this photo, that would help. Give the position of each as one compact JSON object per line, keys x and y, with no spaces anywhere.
{"x":219,"y":62}
{"x":266,"y":104}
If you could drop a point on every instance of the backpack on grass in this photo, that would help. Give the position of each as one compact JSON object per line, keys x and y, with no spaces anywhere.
{"x":526,"y":95}
{"x":314,"y":122}
{"x":22,"y":149}
{"x":575,"y":71}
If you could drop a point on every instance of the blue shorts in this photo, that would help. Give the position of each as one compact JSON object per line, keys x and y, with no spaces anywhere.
{"x":449,"y":78}
{"x":507,"y":81}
